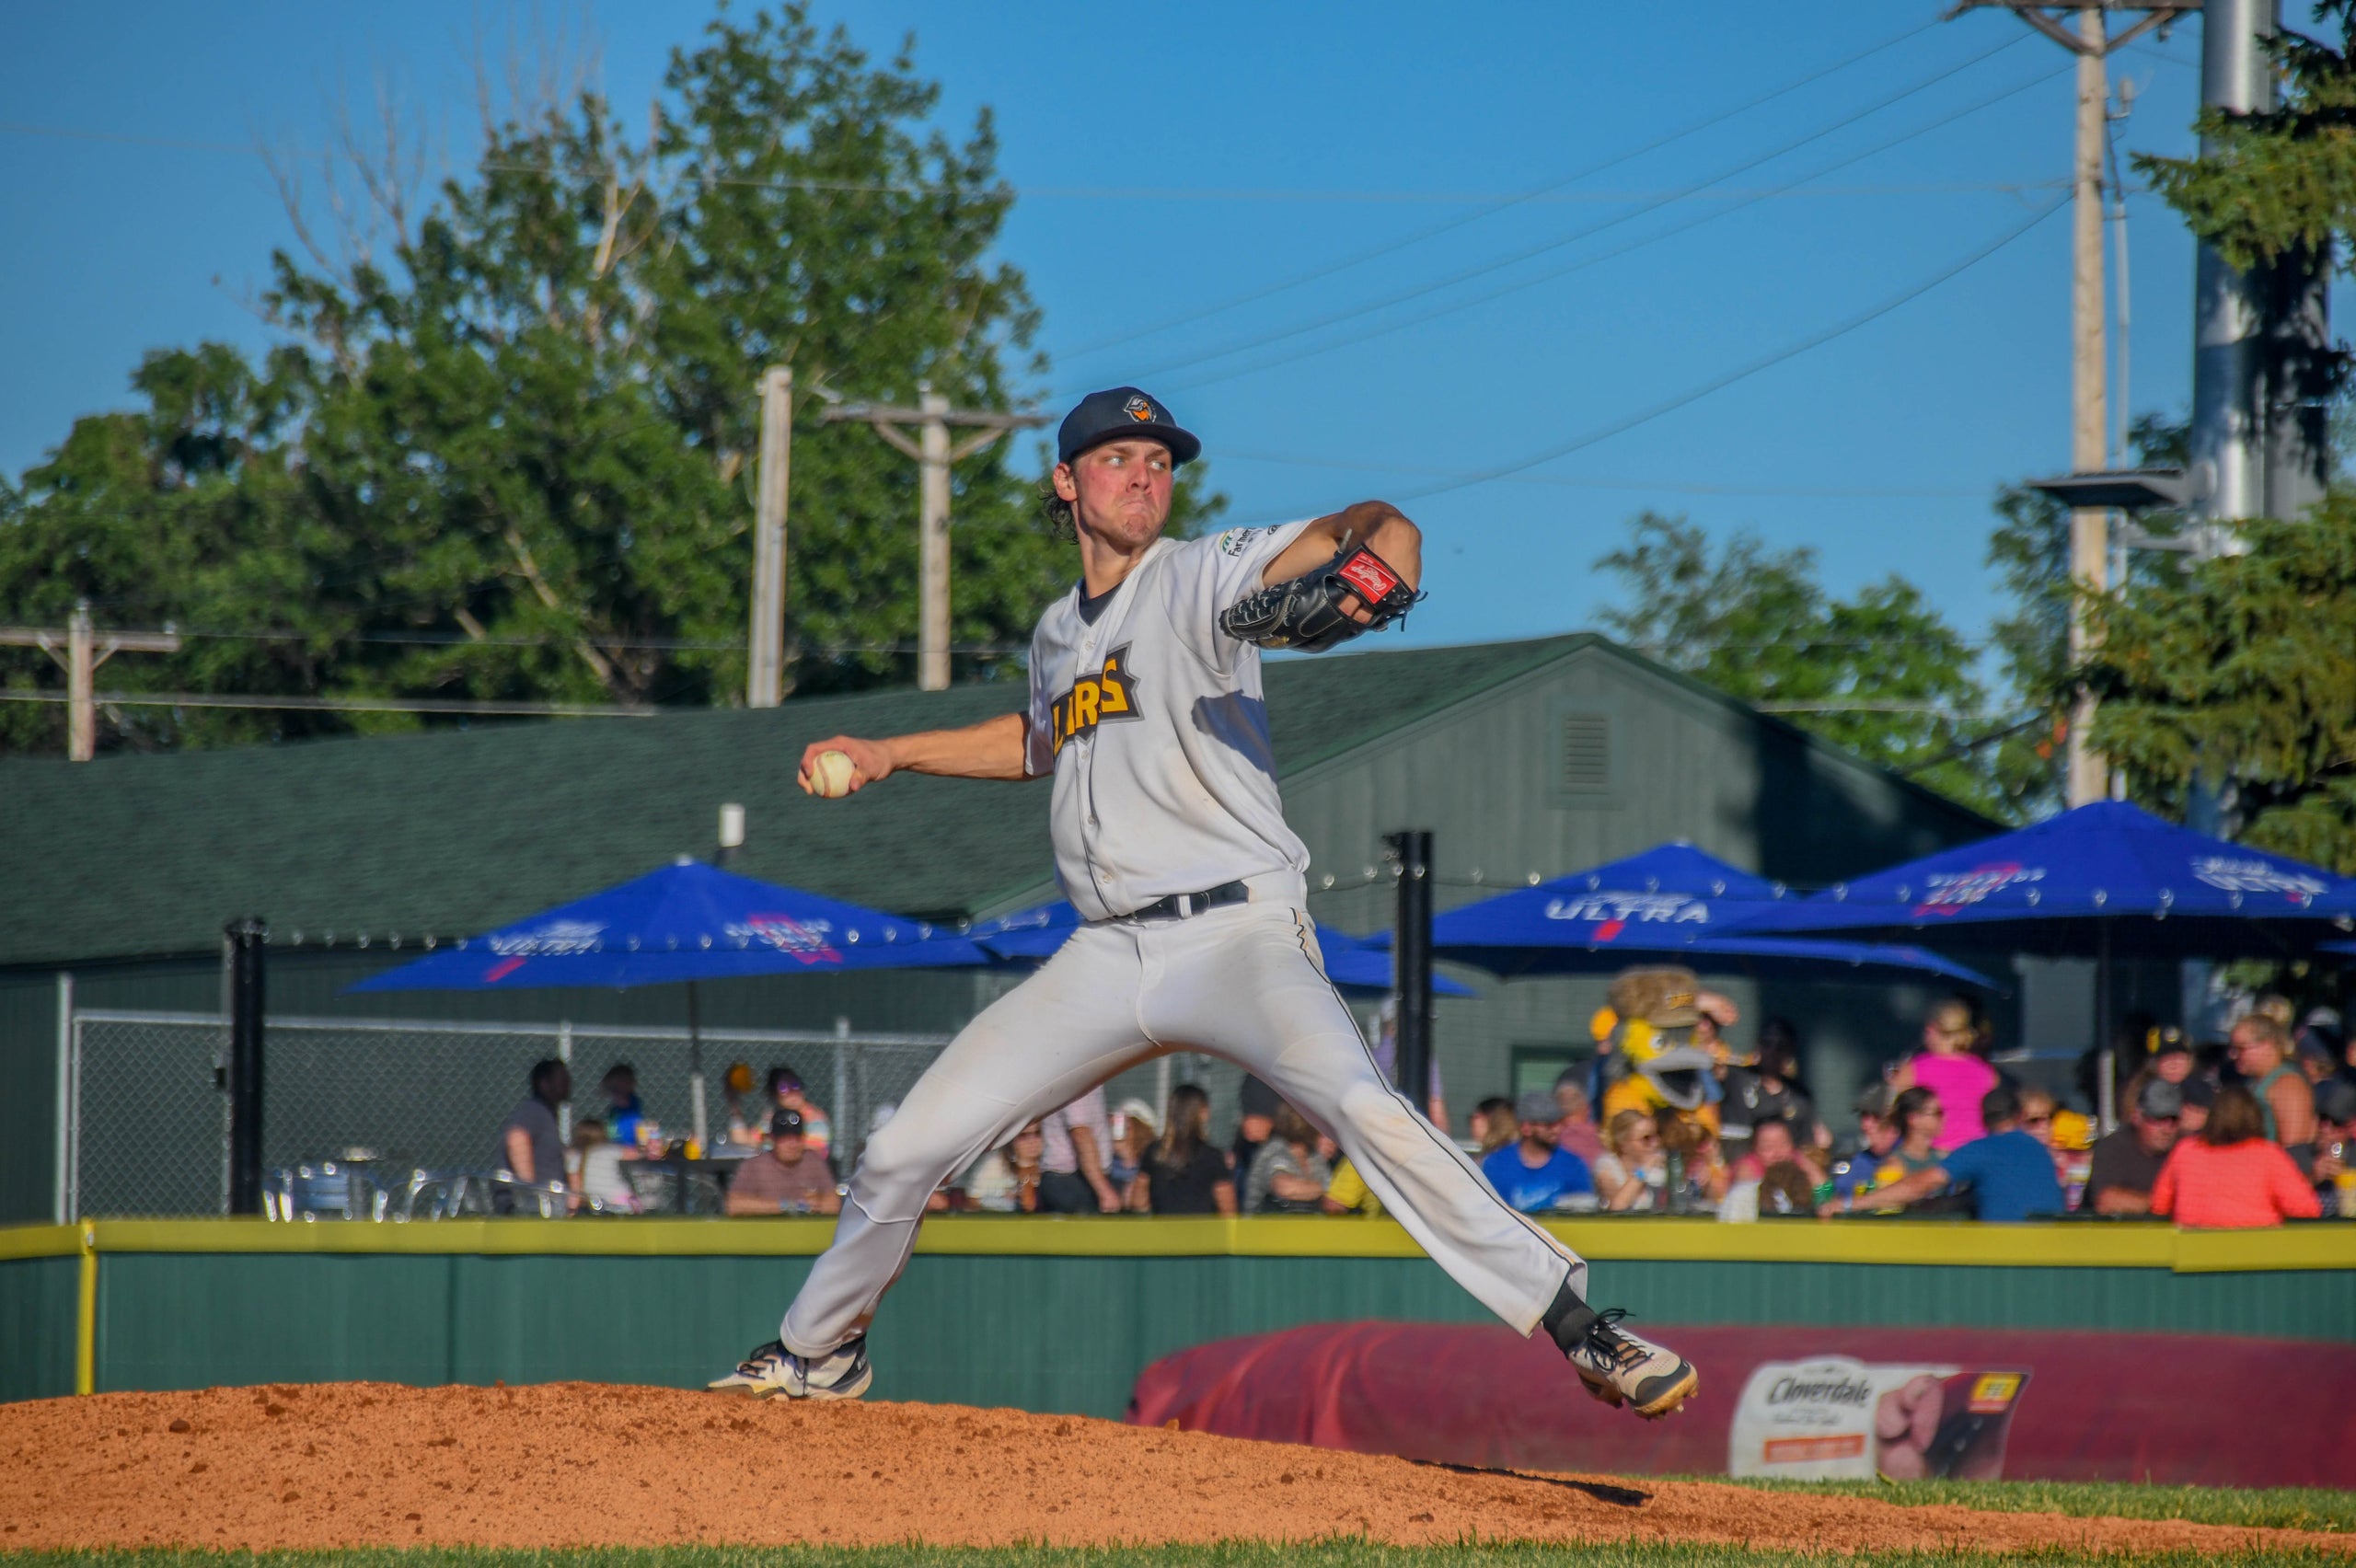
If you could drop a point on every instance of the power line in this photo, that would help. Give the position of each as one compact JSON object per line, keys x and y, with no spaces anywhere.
{"x":1678,"y":487}
{"x":1449,"y":308}
{"x":1529,"y":252}
{"x":1670,"y":405}
{"x":1360,"y":257}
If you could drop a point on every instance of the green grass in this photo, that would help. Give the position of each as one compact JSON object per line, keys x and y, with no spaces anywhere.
{"x":1322,"y":1554}
{"x":2282,"y":1507}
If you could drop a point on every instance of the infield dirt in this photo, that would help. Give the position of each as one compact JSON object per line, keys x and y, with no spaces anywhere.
{"x":582,"y":1464}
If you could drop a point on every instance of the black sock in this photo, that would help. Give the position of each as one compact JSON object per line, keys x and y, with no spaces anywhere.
{"x":1568,"y":1318}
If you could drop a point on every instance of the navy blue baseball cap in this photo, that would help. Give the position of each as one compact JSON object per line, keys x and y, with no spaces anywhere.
{"x":1118,"y":413}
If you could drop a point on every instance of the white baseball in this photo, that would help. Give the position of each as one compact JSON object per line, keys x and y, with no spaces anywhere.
{"x":832,"y":774}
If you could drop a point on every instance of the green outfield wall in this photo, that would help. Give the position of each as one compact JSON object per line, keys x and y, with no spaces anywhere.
{"x":1037,"y":1313}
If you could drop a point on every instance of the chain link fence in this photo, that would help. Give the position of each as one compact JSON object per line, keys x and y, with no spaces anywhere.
{"x":148,"y":1116}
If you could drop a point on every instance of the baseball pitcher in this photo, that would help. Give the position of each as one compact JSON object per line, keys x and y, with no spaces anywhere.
{"x":1146,"y":710}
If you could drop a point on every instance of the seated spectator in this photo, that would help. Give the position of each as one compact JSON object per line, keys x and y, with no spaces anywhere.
{"x":1080,"y":1136}
{"x":1771,"y":1144}
{"x":1690,"y":1141}
{"x":1386,"y":1063}
{"x":1287,"y":1176}
{"x":2127,"y":1160}
{"x":597,"y":1168}
{"x":1183,"y":1173}
{"x":1769,"y":1089}
{"x":1348,"y":1193}
{"x":1133,"y":1137}
{"x":1922,"y":1121}
{"x":1632,"y":1172}
{"x":2041,"y":1118}
{"x":1876,"y":1136}
{"x":2007,"y":1174}
{"x":1006,"y":1181}
{"x":2286,"y":1103}
{"x":531,"y":1148}
{"x":1951,"y":1066}
{"x":2199,"y":1093}
{"x":1577,"y":1131}
{"x":1782,"y":1190}
{"x":1535,"y":1172}
{"x":1493,"y":1126}
{"x":2334,"y":1171}
{"x":1255,"y":1116}
{"x":748,"y":1110}
{"x":623,"y":1109}
{"x":792,"y":1177}
{"x":785,"y":1093}
{"x":2231,"y":1176}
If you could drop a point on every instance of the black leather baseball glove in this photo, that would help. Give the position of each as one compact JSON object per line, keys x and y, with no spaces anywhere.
{"x":1306,"y":612}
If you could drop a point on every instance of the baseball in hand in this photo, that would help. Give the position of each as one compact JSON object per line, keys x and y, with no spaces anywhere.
{"x":832,"y":774}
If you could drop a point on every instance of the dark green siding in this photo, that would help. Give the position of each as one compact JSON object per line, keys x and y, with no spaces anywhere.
{"x":1052,"y":1333}
{"x":28,"y":1108}
{"x":38,"y":1297}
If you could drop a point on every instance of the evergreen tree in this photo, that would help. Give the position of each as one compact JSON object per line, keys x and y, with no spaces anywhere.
{"x":2241,"y":677}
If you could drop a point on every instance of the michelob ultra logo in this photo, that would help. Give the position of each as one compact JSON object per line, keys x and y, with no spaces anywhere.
{"x":1108,"y":695}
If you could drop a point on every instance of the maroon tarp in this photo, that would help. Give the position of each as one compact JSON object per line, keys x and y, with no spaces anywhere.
{"x":2176,"y":1408}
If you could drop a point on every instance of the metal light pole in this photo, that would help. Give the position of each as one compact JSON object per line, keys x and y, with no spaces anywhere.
{"x":246,"y":938}
{"x":1412,"y":954}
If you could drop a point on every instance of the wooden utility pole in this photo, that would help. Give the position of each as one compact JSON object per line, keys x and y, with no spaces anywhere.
{"x":79,"y":648}
{"x":2086,"y":775}
{"x":933,"y":416}
{"x":765,"y":649}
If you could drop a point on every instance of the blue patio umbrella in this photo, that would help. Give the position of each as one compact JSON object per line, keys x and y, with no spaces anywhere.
{"x":1669,"y":904}
{"x":2103,"y":879}
{"x":2108,"y":876}
{"x":687,"y":922}
{"x":1355,"y":963}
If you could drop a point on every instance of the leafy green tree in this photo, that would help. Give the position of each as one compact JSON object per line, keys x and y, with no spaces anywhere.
{"x":515,"y":458}
{"x":1882,"y":674}
{"x":2240,"y":677}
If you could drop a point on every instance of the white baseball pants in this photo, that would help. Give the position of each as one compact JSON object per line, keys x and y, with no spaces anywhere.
{"x":1245,"y":982}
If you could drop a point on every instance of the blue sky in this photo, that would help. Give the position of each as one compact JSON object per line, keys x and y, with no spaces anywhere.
{"x":1173,"y":161}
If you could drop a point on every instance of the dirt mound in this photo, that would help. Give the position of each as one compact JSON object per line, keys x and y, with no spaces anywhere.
{"x":578,"y":1464}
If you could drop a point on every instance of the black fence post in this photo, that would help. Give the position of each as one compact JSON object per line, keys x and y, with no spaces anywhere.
{"x":1412,"y":949}
{"x":246,"y":940}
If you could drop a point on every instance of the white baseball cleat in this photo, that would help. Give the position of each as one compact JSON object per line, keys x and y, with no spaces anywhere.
{"x":771,"y":1370}
{"x":1619,"y":1367}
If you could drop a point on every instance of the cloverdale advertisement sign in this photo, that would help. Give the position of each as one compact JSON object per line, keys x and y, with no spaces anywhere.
{"x":1835,"y":1418}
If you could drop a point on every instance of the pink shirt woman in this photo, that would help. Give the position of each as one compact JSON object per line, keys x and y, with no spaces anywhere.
{"x":1947,"y":1066}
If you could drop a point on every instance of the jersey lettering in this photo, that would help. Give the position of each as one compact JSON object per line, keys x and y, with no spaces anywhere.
{"x":1093,"y":699}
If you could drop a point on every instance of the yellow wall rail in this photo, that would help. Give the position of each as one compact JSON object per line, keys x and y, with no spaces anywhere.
{"x":2105,"y":1246}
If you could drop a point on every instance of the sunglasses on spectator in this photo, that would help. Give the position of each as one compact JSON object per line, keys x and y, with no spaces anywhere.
{"x":2037,"y":1120}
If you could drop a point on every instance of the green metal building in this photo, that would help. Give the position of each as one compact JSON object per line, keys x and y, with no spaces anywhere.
{"x":1524,"y":758}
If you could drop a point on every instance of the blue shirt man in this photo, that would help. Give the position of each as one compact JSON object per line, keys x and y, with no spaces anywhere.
{"x":1534,"y":1173}
{"x":2008,"y":1174}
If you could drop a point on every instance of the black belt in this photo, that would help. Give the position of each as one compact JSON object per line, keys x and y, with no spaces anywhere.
{"x":1179,"y":906}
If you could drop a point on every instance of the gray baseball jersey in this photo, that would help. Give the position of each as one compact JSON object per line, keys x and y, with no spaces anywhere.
{"x":1151,"y":720}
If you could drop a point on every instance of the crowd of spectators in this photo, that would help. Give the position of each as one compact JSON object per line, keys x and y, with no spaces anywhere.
{"x":2252,"y":1131}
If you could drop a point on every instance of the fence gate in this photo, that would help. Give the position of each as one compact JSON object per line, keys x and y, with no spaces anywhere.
{"x":148,"y":1113}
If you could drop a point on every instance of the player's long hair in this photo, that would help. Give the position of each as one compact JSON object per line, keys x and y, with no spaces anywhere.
{"x":1187,"y":1128}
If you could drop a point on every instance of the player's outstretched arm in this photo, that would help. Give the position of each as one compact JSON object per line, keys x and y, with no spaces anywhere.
{"x":1379,"y":526}
{"x":991,"y":749}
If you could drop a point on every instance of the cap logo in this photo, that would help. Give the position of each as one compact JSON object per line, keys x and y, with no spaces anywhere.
{"x":1140,"y":410}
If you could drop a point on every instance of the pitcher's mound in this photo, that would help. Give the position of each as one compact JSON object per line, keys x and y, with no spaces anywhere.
{"x":580,"y":1464}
